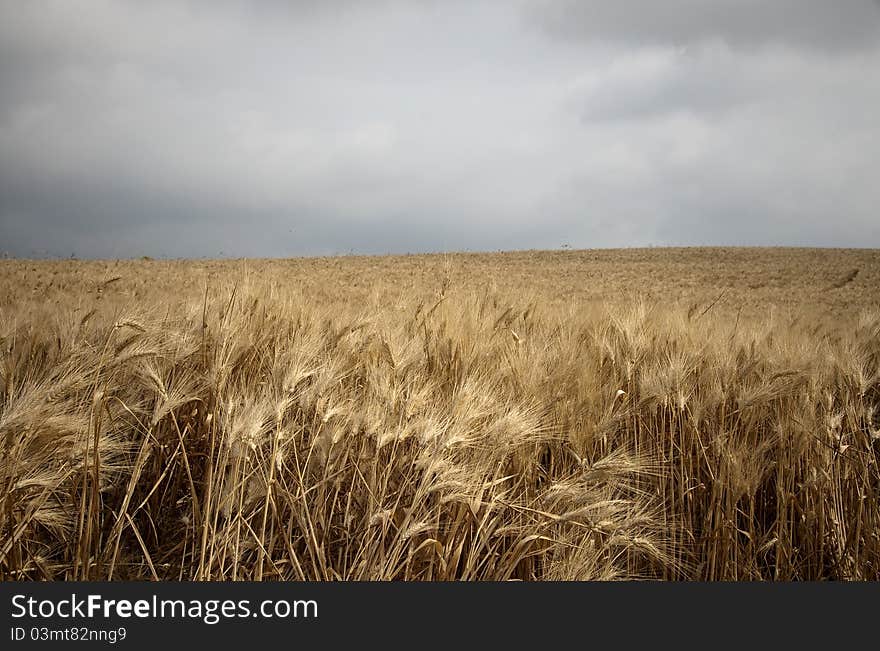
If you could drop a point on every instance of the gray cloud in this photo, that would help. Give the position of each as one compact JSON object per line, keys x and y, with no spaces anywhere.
{"x":740,"y":23}
{"x":274,"y":129}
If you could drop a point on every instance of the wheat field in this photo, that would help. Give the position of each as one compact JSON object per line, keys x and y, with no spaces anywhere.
{"x":679,"y":414}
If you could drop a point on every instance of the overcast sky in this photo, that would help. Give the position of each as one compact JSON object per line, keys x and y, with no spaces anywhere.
{"x":188,"y":129}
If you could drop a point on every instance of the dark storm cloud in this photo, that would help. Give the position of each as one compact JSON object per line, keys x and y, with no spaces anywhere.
{"x":274,"y":129}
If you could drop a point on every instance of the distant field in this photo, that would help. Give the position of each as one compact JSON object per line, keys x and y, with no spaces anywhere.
{"x":833,"y":282}
{"x":705,"y":413}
